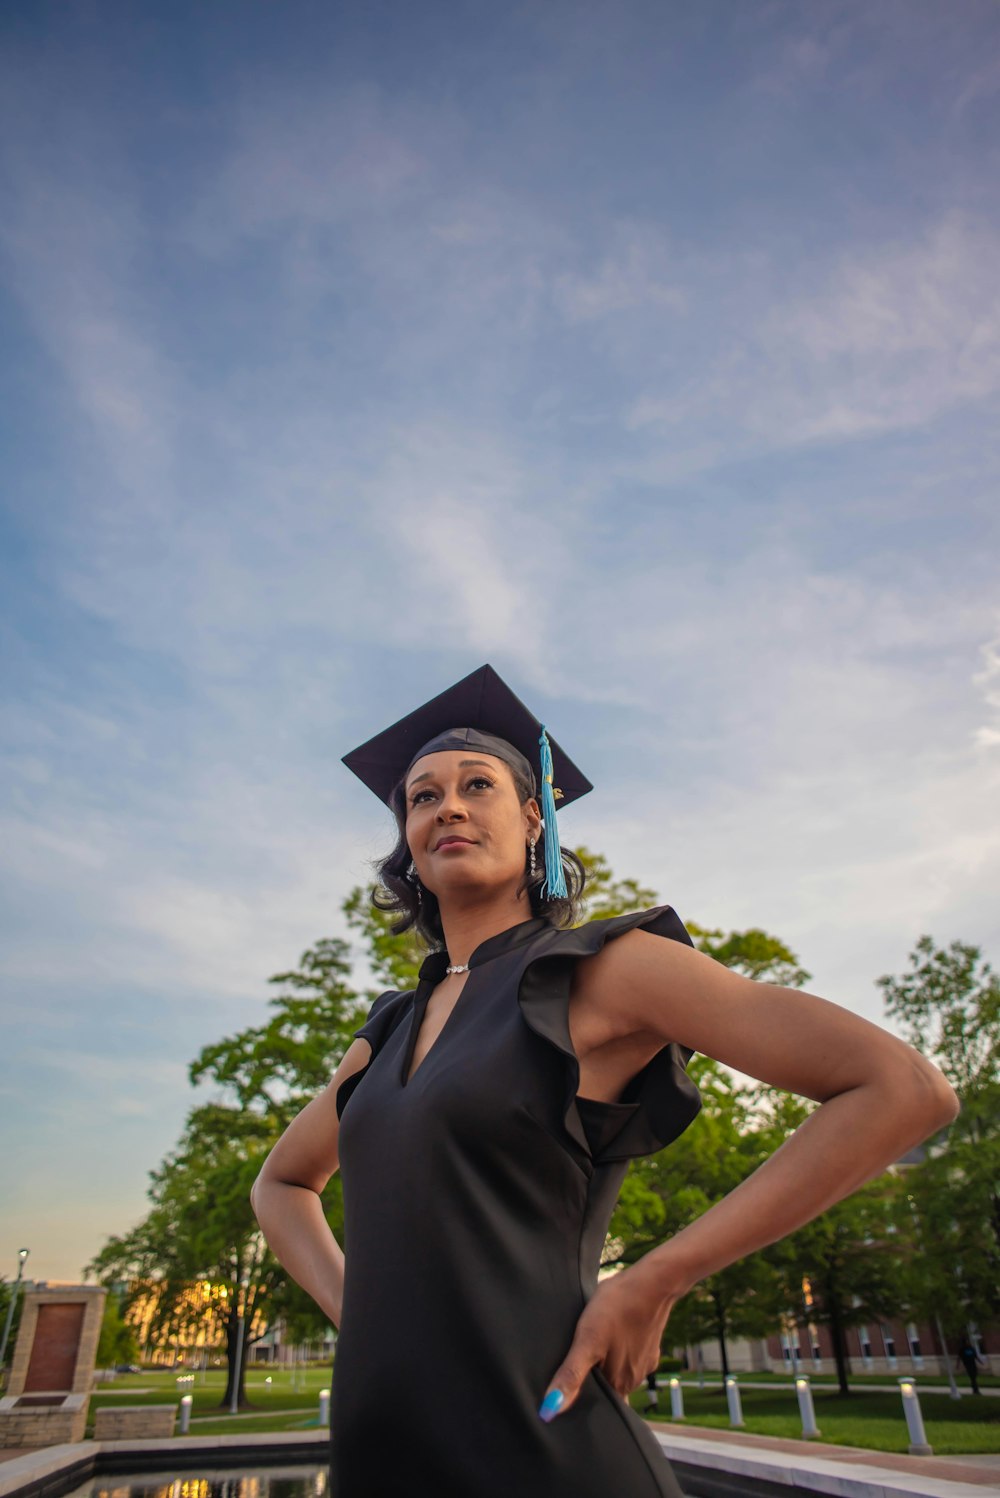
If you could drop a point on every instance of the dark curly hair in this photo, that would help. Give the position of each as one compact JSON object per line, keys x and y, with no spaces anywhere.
{"x":401,"y":894}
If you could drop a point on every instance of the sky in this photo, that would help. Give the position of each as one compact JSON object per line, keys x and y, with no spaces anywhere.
{"x":649,"y":352}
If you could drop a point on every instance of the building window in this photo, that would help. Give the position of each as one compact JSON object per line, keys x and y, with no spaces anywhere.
{"x":914,"y":1341}
{"x":790,"y":1346}
{"x":865,"y":1345}
{"x":890,"y":1346}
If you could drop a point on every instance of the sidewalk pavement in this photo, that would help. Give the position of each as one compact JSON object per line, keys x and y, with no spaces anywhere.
{"x":825,"y":1468}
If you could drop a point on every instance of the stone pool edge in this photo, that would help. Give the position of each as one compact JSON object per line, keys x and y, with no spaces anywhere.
{"x":705,"y":1468}
{"x":58,"y":1469}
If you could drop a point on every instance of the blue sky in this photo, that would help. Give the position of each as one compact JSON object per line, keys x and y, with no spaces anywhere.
{"x":650,"y":352}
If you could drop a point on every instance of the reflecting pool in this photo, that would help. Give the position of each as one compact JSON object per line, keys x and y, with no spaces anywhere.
{"x":307,"y":1481}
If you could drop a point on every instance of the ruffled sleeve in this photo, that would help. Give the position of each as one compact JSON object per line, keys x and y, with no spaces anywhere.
{"x":661,"y":1100}
{"x":383,"y":1017}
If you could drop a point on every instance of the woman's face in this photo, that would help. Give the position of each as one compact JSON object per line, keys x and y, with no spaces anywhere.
{"x":467,"y":795}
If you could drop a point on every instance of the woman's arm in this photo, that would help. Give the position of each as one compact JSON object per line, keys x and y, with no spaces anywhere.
{"x":286,"y":1194}
{"x":879,"y":1098}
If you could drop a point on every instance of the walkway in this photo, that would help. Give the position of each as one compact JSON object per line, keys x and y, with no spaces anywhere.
{"x":825,"y":1468}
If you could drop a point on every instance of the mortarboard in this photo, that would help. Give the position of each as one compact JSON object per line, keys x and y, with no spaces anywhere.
{"x":479,"y":712}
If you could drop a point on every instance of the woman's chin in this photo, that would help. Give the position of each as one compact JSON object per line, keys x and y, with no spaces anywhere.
{"x":452,"y":882}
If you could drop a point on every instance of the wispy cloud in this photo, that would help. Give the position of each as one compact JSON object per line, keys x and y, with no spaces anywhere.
{"x":888,"y":339}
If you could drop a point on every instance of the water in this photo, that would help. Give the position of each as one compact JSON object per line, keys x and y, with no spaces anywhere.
{"x":210,"y":1482}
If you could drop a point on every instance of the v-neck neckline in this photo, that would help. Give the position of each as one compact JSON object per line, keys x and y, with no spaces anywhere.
{"x":433,"y":970}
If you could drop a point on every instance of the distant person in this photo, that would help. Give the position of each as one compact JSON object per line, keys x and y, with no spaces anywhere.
{"x":483,"y":1120}
{"x":652,"y":1398}
{"x":970,"y":1357}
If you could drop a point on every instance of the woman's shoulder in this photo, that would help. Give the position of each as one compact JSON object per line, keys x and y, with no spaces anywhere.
{"x":593,"y":935}
{"x":383,"y":1016}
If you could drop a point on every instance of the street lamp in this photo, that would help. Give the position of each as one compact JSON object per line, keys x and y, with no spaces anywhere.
{"x":21,"y":1257}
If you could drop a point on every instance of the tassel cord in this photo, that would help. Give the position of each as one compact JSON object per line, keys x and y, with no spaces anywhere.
{"x":555,"y":877}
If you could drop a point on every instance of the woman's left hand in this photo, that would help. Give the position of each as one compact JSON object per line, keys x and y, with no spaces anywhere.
{"x":619,"y":1331}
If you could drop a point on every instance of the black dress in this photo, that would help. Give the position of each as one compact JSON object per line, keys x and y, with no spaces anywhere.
{"x":477,"y":1197}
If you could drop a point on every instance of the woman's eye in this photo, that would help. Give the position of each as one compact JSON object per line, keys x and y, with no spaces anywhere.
{"x":476,"y":780}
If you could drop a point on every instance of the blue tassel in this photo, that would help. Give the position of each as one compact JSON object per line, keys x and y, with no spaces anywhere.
{"x":555,"y":878}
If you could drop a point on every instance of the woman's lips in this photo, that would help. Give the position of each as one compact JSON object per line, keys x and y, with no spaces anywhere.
{"x":446,"y":847}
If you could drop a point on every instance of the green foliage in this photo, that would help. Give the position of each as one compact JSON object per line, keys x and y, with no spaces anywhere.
{"x":117,"y":1342}
{"x":186,"y":1261}
{"x":943,"y":1208}
{"x":394,"y":960}
{"x":843,"y":1268}
{"x":274,"y":1069}
{"x":753,"y":953}
{"x":738,"y":1127}
{"x":6,"y":1291}
{"x":606,"y":896}
{"x":721,"y":1148}
{"x":949,"y":1006}
{"x":948,"y":1002}
{"x":200,"y":1228}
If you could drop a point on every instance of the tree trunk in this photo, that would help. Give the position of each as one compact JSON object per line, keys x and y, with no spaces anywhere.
{"x":835,"y":1323}
{"x":232,"y":1341}
{"x":720,"y":1329}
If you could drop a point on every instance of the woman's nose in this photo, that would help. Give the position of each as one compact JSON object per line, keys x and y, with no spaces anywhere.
{"x":450,"y":806}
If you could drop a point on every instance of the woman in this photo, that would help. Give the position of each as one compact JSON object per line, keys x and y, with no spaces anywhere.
{"x":483,"y":1123}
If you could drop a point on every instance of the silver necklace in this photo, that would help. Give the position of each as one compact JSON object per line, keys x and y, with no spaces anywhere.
{"x":463,"y":969}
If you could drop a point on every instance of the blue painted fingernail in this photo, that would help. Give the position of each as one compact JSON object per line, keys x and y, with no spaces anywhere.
{"x":551,"y":1404}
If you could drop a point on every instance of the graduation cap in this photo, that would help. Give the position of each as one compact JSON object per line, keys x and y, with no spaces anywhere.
{"x":479,"y":712}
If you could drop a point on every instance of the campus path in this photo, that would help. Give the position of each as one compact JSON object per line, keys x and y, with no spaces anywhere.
{"x":825,"y":1468}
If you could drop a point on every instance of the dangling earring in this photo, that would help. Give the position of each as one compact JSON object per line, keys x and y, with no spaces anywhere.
{"x":531,"y":846}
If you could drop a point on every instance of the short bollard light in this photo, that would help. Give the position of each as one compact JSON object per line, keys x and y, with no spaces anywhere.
{"x":324,"y":1406}
{"x":676,"y":1399}
{"x":733,"y":1398}
{"x":185,"y":1421}
{"x":809,"y":1428}
{"x":914,"y":1419}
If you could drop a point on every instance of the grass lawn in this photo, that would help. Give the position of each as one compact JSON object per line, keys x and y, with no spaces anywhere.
{"x":859,"y":1380}
{"x":288,"y":1402}
{"x":866,"y":1418}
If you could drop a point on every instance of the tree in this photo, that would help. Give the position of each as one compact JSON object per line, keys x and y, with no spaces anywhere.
{"x":6,"y":1291}
{"x":949,"y":1005}
{"x":844,"y":1267}
{"x":660,"y":1194}
{"x":738,"y":1127}
{"x":713,"y":1155}
{"x":117,"y":1341}
{"x":197,"y":1261}
{"x":753,"y":952}
{"x":604,"y":895}
{"x":275,"y":1068}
